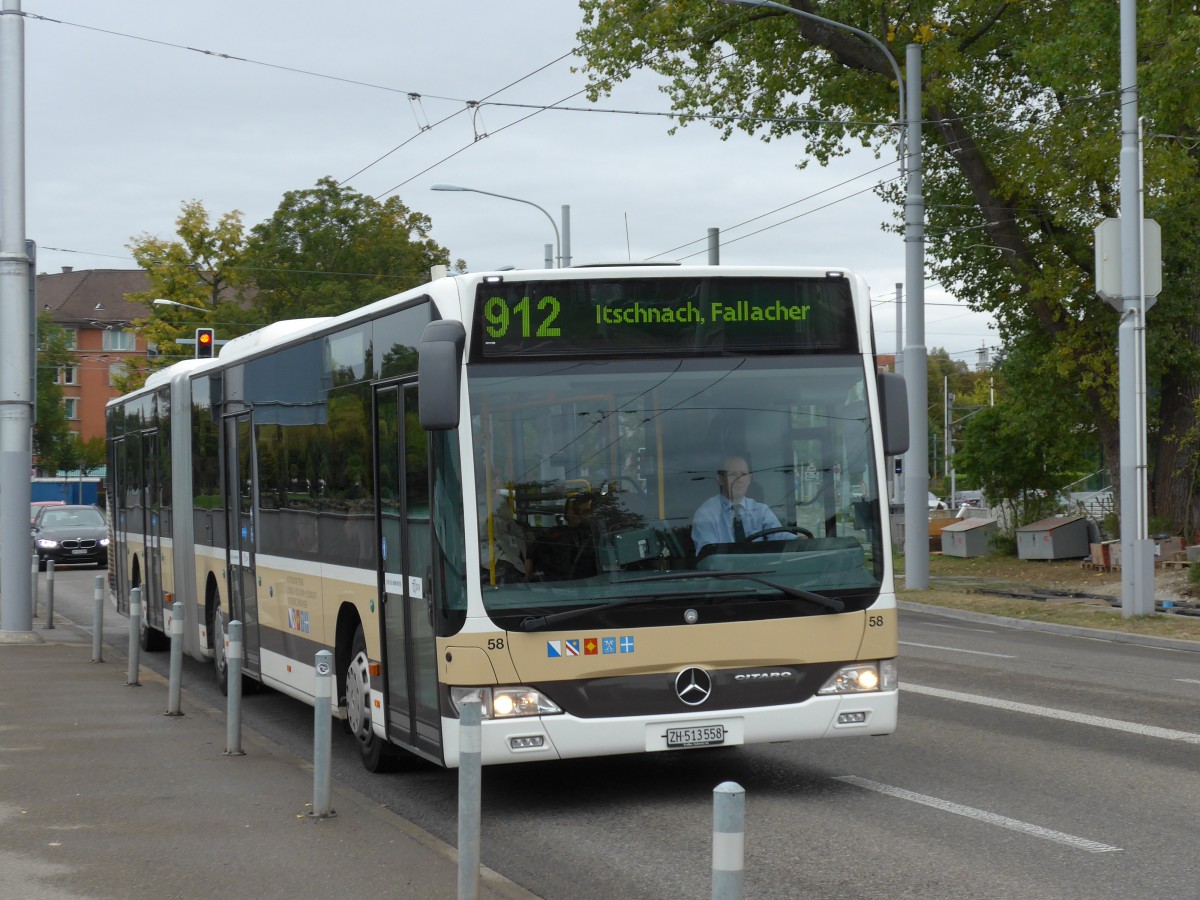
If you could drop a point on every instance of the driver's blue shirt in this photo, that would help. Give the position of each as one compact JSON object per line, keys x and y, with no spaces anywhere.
{"x":713,"y":522}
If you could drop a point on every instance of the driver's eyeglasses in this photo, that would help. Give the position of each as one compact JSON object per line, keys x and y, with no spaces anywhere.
{"x":731,"y":473}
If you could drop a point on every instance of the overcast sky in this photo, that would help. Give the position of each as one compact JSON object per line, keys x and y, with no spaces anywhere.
{"x":134,"y":107}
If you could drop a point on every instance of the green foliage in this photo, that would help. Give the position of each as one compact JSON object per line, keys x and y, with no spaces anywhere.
{"x":76,"y":455}
{"x":330,"y":249}
{"x":198,"y":268}
{"x":326,"y":250}
{"x":1022,"y":451}
{"x":51,"y":433}
{"x":1021,"y":136}
{"x":1004,"y":543}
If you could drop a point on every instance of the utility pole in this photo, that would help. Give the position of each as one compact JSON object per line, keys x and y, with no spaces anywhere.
{"x":16,"y":324}
{"x":916,"y":359}
{"x":1137,"y":550}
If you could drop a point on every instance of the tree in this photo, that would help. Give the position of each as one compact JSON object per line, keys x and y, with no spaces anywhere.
{"x":997,"y":450}
{"x":330,"y":249}
{"x":80,"y":455}
{"x":51,"y":431}
{"x":1022,"y":138}
{"x":199,"y":268}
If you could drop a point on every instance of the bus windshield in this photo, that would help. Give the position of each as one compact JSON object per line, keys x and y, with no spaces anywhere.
{"x":639,"y":492}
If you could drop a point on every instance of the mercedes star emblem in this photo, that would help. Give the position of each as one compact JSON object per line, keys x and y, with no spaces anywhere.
{"x":693,"y":686}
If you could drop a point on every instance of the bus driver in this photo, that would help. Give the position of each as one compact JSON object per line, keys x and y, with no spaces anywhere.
{"x":730,"y":516}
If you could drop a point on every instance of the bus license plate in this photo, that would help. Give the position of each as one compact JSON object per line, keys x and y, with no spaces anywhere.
{"x":696,"y":736}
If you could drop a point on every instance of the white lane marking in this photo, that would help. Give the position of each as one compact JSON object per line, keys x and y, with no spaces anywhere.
{"x":980,"y":815}
{"x":1168,"y":734}
{"x":1189,"y":680}
{"x":956,"y":650}
{"x":960,"y":627}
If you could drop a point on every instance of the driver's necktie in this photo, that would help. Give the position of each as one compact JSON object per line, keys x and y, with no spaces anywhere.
{"x":739,"y":530}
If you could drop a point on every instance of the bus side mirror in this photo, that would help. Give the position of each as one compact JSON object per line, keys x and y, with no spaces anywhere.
{"x":439,"y":367}
{"x":893,"y":413}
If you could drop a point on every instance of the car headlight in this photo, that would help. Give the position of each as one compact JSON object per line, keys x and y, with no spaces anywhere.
{"x":505,"y":702}
{"x":103,"y":542}
{"x":862,"y":678}
{"x":46,"y":543}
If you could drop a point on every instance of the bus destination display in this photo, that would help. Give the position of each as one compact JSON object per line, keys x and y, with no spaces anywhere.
{"x":690,"y":315}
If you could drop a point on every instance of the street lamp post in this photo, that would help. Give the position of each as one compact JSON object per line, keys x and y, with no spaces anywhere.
{"x":161,"y":302}
{"x":553,"y":224}
{"x":916,"y":360}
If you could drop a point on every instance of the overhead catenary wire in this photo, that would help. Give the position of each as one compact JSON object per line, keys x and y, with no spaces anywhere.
{"x":487,"y":101}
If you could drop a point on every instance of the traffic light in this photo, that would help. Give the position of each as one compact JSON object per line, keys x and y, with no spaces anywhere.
{"x":204,"y":343}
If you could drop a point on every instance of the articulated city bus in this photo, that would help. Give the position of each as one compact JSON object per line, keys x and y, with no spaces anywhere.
{"x":630,"y":508}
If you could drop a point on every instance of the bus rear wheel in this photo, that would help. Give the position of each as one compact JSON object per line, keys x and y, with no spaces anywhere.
{"x":372,"y":749}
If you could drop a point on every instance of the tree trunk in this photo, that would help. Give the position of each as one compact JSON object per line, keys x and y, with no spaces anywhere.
{"x":1173,"y":473}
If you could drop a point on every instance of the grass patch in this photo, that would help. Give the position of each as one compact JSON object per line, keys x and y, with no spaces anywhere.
{"x":955,"y":583}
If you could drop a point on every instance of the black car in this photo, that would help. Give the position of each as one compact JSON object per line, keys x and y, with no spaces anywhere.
{"x":70,"y":534}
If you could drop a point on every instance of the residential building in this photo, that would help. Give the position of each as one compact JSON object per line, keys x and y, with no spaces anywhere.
{"x":90,"y":304}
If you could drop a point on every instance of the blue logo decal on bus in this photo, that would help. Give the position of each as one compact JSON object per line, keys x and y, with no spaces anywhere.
{"x":608,"y":645}
{"x":572,"y":647}
{"x":627,"y":644}
{"x":554,"y":649}
{"x":298,"y":619}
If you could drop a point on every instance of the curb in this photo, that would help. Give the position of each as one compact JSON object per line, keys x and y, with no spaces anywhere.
{"x":1096,"y":634}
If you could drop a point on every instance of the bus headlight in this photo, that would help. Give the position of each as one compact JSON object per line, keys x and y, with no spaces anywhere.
{"x":505,"y":702}
{"x":861,"y":678}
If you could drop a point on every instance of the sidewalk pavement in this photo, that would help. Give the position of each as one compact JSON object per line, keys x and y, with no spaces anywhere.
{"x":102,"y":795}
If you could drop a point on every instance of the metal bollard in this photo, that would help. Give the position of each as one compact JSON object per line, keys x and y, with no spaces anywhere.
{"x":470,"y":786}
{"x":323,"y":735}
{"x":98,"y":620}
{"x":33,"y":587}
{"x":175,"y":686}
{"x":135,"y":621}
{"x":233,"y":690}
{"x":49,"y":594}
{"x":729,"y":841}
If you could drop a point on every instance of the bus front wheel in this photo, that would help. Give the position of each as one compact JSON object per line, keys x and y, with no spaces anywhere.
{"x":216,"y":633}
{"x":372,"y":749}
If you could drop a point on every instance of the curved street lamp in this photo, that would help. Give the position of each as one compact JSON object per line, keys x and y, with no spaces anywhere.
{"x":916,"y":474}
{"x":553,"y":224}
{"x":161,"y":302}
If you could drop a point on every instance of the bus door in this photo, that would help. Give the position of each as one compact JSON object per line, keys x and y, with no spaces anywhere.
{"x":118,"y":513}
{"x":406,"y":561}
{"x":240,"y":493}
{"x":151,"y":482}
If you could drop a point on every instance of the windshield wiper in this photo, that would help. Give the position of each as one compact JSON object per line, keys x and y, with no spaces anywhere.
{"x":537,"y":623}
{"x":831,"y":603}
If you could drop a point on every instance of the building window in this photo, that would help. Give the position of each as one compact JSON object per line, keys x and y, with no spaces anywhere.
{"x":115,"y":371}
{"x":71,"y":406}
{"x":71,"y":335}
{"x":119,"y":340}
{"x":68,"y":375}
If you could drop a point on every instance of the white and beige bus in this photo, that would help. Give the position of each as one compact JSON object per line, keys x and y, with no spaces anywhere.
{"x":522,"y":485}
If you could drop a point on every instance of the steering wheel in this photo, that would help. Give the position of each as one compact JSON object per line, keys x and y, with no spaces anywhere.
{"x":789,"y":529}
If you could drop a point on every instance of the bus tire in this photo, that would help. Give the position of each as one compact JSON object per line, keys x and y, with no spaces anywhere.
{"x":218,"y":632}
{"x":151,"y":639}
{"x":217,"y":636}
{"x":375,"y":753}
